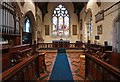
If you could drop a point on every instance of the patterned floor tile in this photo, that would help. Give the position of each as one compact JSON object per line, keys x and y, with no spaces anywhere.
{"x":74,"y":61}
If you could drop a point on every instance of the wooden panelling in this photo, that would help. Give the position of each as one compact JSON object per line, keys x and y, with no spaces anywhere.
{"x":82,"y":65}
{"x":101,"y":70}
{"x":114,"y":59}
{"x":23,"y":70}
{"x":42,"y":64}
{"x":14,"y":54}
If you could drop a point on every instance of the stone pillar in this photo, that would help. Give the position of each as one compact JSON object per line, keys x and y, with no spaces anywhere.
{"x":21,"y":26}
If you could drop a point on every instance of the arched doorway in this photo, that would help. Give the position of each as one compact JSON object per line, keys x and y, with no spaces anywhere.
{"x":88,"y":21}
{"x":28,"y":32}
{"x":116,"y":35}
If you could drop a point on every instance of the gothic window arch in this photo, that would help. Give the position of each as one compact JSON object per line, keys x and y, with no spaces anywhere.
{"x":60,"y":21}
{"x":27,"y":25}
{"x":27,"y":31}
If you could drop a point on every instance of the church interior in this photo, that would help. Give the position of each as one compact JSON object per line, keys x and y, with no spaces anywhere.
{"x":57,"y":40}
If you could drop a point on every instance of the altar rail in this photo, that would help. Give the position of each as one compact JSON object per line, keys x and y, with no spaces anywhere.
{"x":60,"y":45}
{"x":97,"y":69}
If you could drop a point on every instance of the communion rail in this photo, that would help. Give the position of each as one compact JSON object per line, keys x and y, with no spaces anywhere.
{"x":58,"y":45}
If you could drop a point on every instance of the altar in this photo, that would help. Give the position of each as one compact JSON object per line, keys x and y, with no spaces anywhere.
{"x":60,"y":43}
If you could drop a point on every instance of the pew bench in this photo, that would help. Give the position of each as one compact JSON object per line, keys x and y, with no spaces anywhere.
{"x":20,"y":63}
{"x":102,"y":66}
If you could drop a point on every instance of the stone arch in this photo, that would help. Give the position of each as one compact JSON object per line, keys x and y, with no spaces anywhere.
{"x":114,"y":38}
{"x":17,"y":8}
{"x":33,"y":23}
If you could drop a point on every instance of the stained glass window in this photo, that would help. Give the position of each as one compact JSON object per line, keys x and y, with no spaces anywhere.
{"x":60,"y":21}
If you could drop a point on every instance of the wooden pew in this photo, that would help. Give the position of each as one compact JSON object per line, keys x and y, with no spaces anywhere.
{"x":5,"y":58}
{"x":14,"y":55}
{"x":102,"y":66}
{"x":26,"y":65}
{"x":25,"y":70}
{"x":41,"y":60}
{"x":114,"y":59}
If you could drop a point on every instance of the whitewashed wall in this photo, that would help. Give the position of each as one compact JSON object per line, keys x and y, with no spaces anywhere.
{"x":107,"y":23}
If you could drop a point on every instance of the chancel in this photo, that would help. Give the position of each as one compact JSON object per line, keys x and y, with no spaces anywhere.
{"x":53,"y":40}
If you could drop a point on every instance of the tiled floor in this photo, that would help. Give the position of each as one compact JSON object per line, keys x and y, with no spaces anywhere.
{"x":49,"y":60}
{"x":74,"y":61}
